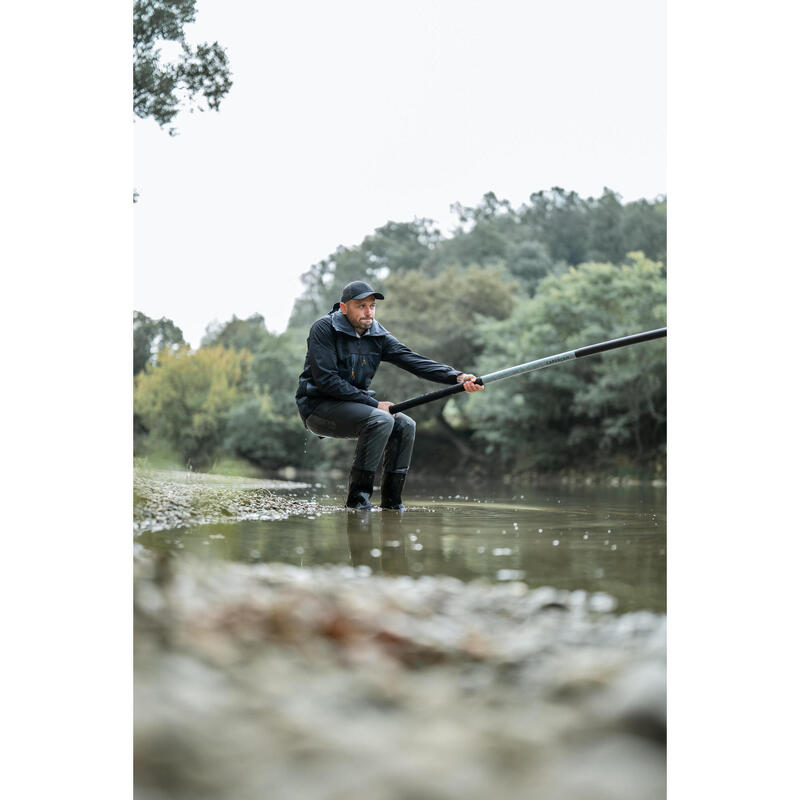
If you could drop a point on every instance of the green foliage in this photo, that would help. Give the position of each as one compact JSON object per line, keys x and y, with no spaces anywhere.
{"x":233,"y":398}
{"x":199,"y":78}
{"x":529,"y":261}
{"x":264,"y":426}
{"x":644,"y":226}
{"x":603,"y":229}
{"x":263,"y":435}
{"x":276,"y":364}
{"x":185,"y":398}
{"x":238,"y":334}
{"x":151,"y":336}
{"x":483,"y":236}
{"x":560,"y":220}
{"x":589,"y":412}
{"x":437,"y":316}
{"x":398,"y":247}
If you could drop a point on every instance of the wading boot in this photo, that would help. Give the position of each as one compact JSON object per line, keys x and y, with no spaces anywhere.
{"x":391,"y":489}
{"x":360,"y":489}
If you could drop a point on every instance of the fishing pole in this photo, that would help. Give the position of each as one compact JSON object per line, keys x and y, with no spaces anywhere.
{"x":530,"y":366}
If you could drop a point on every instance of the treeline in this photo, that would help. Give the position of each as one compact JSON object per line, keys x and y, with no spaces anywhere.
{"x":509,"y":285}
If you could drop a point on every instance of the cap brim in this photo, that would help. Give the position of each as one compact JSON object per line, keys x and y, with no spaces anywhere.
{"x":378,"y":296}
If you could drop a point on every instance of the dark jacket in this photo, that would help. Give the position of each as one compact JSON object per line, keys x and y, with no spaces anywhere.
{"x":340,"y":364}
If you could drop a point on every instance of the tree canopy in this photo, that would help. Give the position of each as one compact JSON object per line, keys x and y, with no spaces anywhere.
{"x":150,"y":336}
{"x":187,"y":76}
{"x":239,"y":334}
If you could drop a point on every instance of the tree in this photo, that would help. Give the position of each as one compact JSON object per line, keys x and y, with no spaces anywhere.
{"x":185,"y":398}
{"x":490,"y":208}
{"x":483,"y":236}
{"x":401,"y":246}
{"x":587,"y":413}
{"x":239,"y":334}
{"x":199,"y":78}
{"x":644,"y":224}
{"x":529,"y":261}
{"x":606,"y":239}
{"x":151,"y":336}
{"x":560,"y":220}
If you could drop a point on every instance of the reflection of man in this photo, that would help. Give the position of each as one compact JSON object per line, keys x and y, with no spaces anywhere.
{"x":345,"y":348}
{"x":378,"y":544}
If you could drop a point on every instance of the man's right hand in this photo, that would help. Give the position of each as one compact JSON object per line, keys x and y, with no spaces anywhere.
{"x":385,"y":405}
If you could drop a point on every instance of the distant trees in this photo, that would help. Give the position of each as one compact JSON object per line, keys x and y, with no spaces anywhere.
{"x":239,"y":334}
{"x":194,"y":77}
{"x":150,"y":336}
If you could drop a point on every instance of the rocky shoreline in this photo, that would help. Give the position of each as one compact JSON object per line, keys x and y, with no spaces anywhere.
{"x":164,"y":500}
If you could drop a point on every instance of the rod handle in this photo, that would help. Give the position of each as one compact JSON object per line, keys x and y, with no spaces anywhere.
{"x":427,"y":398}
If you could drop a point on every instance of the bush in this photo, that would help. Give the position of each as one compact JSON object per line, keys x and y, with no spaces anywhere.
{"x":183,"y":401}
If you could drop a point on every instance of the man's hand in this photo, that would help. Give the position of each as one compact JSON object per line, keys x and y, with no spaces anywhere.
{"x":384,"y":405}
{"x":469,"y":385}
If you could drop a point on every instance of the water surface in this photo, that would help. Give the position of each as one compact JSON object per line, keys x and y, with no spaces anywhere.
{"x":611,"y":540}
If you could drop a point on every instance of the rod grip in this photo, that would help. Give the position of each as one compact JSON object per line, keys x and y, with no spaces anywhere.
{"x":427,"y":398}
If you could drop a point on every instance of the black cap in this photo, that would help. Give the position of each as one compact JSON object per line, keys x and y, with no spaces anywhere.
{"x":358,"y":290}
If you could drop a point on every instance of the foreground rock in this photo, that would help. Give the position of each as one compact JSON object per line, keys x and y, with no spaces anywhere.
{"x":164,"y":500}
{"x":268,"y":680}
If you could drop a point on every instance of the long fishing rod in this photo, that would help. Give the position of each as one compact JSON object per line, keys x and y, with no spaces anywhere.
{"x":530,"y":366}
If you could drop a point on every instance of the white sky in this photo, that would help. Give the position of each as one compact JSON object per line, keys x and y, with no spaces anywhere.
{"x":345,"y":115}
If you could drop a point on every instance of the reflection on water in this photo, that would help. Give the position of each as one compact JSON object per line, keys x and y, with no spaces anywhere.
{"x":598,"y":540}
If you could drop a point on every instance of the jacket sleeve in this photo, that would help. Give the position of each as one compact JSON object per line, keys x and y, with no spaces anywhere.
{"x":397,"y":353}
{"x":324,"y":372}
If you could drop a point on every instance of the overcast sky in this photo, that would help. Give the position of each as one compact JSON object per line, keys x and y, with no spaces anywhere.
{"x":345,"y":115}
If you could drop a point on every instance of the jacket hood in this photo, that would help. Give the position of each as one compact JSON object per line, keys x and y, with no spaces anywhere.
{"x":342,"y":324}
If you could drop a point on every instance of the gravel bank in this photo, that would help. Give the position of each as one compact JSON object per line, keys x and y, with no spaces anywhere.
{"x":170,"y":499}
{"x":266,"y":680}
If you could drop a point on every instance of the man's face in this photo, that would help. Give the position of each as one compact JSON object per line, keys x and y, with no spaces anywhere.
{"x":359,"y":313}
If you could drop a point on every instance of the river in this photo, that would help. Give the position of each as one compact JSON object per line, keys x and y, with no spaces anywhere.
{"x":595,"y":539}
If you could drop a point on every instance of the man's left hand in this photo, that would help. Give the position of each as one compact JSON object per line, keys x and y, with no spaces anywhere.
{"x":469,"y":382}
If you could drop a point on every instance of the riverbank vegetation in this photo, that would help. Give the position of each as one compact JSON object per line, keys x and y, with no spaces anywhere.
{"x":507,"y":286}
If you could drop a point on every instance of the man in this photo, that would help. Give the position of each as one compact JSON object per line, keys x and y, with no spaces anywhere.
{"x":345,"y":348}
